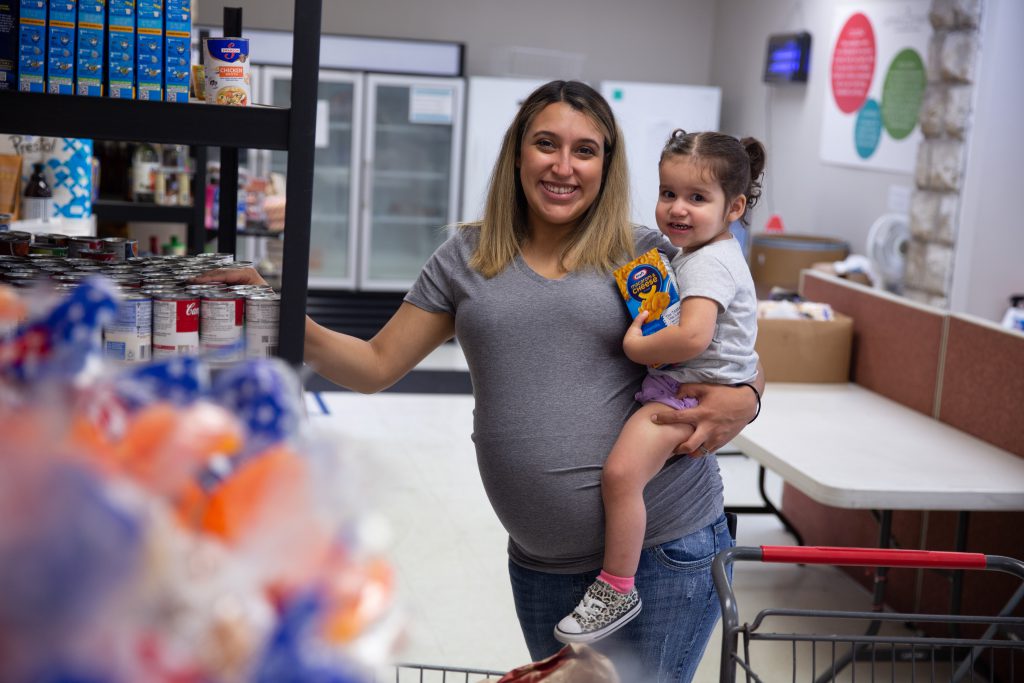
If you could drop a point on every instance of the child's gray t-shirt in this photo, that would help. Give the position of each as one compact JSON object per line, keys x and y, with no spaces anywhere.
{"x":553,"y":389}
{"x":719,"y":272}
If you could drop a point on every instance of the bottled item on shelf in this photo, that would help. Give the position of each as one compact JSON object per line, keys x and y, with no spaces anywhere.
{"x":174,"y":247}
{"x":37,"y":204}
{"x":145,"y":167}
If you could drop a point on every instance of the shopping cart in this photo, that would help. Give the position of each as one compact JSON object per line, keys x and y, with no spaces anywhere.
{"x":425,"y":673}
{"x":829,"y":645}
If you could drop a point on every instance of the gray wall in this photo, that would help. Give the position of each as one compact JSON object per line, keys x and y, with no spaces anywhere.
{"x":649,"y":40}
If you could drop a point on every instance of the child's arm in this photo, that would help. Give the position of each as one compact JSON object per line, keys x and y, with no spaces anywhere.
{"x":676,"y":344}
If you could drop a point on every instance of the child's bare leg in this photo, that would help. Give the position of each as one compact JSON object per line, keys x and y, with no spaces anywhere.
{"x":639,"y":453}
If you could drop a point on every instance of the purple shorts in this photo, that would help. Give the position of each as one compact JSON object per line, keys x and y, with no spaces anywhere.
{"x":662,"y":389}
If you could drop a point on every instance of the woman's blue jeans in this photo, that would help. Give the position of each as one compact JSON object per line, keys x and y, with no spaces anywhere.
{"x":666,"y":641}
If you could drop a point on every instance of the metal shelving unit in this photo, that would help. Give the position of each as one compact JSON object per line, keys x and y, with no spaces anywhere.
{"x":205,"y":125}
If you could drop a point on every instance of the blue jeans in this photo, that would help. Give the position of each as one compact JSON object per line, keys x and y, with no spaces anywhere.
{"x":680,"y":608}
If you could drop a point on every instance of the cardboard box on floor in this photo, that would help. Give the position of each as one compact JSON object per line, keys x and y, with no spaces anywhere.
{"x":803,"y":350}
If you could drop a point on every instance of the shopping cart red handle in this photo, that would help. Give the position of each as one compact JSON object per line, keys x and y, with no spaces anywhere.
{"x":872,"y":557}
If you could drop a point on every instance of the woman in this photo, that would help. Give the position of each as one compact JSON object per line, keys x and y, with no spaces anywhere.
{"x":529,"y":293}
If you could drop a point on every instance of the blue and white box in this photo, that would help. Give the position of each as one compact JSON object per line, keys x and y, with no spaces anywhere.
{"x":121,"y":49}
{"x":177,"y":49}
{"x":32,"y":46}
{"x":60,"y":66}
{"x":9,"y":11}
{"x":149,"y":74}
{"x":92,"y":19}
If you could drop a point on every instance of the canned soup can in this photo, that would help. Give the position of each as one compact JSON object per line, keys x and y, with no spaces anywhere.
{"x":262,"y":318}
{"x":227,"y":71}
{"x":222,"y":325}
{"x":129,"y":337}
{"x":175,"y":324}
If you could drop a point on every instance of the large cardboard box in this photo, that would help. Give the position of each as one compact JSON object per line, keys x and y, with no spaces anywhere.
{"x":805,"y":350}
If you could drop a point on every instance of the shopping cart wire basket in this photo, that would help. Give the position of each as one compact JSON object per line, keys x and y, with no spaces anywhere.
{"x":426,"y":673}
{"x":830,"y":645}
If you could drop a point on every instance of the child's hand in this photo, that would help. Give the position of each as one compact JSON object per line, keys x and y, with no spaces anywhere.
{"x":634,"y":338}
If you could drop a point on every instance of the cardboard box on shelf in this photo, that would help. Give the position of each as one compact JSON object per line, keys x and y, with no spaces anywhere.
{"x":800,"y":350}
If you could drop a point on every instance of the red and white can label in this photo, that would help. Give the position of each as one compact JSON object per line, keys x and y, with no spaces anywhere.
{"x":175,"y":326}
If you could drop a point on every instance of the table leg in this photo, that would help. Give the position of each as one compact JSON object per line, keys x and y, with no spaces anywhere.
{"x":767,"y":507}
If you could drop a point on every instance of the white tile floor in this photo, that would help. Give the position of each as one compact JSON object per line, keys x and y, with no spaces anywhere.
{"x":449,"y":550}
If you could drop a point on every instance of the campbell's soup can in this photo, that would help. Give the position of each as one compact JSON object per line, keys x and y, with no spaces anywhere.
{"x":262,"y":319}
{"x":175,"y":324}
{"x":227,"y":71}
{"x":222,"y":326}
{"x":129,"y":337}
{"x":122,"y":247}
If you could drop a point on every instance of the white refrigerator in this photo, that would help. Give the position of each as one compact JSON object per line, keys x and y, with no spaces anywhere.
{"x":387,"y":173}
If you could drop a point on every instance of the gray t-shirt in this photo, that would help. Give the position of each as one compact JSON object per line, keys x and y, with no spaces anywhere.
{"x":553,"y":388}
{"x":719,"y":272}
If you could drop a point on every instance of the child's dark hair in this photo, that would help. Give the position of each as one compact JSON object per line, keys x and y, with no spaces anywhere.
{"x":737,"y":165}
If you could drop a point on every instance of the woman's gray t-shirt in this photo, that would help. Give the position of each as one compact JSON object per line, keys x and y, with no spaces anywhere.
{"x":552,"y":390}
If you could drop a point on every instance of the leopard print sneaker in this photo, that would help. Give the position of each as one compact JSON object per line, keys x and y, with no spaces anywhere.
{"x":602,"y":611}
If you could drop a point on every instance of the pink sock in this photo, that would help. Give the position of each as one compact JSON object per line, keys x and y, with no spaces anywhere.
{"x":622,"y":584}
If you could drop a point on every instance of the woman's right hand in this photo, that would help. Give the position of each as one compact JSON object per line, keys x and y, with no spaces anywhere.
{"x":231,"y":276}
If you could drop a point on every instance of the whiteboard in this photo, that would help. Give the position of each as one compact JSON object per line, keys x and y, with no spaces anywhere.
{"x":491,"y":104}
{"x":647,"y":113}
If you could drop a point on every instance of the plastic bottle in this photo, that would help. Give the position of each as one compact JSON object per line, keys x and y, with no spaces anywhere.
{"x":173,"y":248}
{"x":37,"y":204}
{"x":145,"y":167}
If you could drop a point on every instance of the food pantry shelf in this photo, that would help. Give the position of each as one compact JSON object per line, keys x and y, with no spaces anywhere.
{"x":230,"y":128}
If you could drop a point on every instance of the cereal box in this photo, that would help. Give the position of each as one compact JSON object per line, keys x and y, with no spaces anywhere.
{"x":121,"y":49}
{"x":60,"y":69}
{"x":647,"y":283}
{"x":149,"y":54}
{"x":177,"y":49}
{"x":32,"y":46}
{"x":92,"y":17}
{"x":9,"y":11}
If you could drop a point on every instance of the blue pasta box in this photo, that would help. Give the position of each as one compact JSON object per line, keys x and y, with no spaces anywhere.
{"x":60,"y":67}
{"x":149,"y":74}
{"x":9,"y":11}
{"x":121,"y":49}
{"x":92,"y":19}
{"x":32,"y":46}
{"x":647,"y":283}
{"x":177,"y":49}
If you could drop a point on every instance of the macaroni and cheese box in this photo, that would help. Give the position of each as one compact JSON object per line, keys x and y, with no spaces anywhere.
{"x":121,"y":49}
{"x":92,"y":17}
{"x":32,"y":46}
{"x":177,"y":49}
{"x":60,"y":67}
{"x":647,"y":283}
{"x":9,"y":10}
{"x":149,"y":75}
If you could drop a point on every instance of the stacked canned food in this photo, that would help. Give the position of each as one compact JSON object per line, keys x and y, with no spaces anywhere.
{"x":162,"y":312}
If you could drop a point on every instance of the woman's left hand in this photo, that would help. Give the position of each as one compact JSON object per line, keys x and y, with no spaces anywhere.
{"x":722,"y":413}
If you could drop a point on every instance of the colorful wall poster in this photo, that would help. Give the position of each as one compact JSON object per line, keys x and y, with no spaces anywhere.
{"x":875,"y":84}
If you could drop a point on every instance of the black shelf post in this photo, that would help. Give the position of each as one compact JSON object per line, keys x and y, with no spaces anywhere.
{"x":299,"y":193}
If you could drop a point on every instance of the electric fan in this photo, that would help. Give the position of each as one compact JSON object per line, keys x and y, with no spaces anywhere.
{"x":888,"y":240}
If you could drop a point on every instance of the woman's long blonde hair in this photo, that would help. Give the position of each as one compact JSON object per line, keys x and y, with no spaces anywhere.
{"x":604,"y":238}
